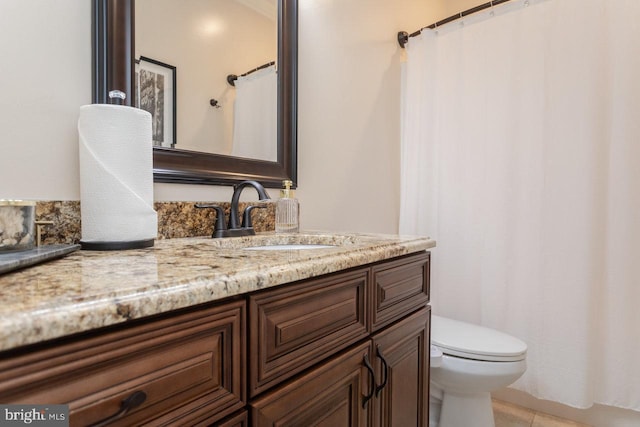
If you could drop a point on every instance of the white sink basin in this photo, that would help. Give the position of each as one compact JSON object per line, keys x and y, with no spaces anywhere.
{"x":287,"y":247}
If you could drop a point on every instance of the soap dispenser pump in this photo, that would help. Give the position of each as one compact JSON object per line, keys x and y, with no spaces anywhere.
{"x":287,"y":210}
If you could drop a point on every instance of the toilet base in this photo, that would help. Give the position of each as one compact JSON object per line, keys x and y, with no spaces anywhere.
{"x":460,"y":409}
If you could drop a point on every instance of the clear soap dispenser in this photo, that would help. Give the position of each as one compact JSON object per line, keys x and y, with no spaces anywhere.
{"x":287,"y":210}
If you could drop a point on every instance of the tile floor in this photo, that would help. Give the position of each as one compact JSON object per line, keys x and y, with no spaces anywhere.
{"x":510,"y":415}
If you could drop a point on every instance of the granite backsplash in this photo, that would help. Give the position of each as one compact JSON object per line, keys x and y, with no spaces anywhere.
{"x":175,"y":219}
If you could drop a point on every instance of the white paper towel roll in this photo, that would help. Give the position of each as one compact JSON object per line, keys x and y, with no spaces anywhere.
{"x":116,"y":175}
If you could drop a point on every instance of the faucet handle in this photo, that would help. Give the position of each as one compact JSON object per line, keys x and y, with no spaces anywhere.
{"x":219,"y":228}
{"x":246,"y":216}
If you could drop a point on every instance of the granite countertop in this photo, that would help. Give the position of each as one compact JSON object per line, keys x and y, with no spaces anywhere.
{"x":88,"y":290}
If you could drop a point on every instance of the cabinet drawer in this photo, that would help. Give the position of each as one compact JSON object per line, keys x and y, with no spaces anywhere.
{"x":240,"y":419}
{"x":399,"y":287}
{"x":189,"y":367}
{"x":295,"y":327}
{"x":330,"y":395}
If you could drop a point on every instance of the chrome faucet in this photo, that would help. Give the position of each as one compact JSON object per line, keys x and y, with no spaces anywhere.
{"x":235,"y":230}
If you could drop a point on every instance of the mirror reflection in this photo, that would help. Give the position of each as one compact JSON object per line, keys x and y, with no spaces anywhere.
{"x":207,"y":41}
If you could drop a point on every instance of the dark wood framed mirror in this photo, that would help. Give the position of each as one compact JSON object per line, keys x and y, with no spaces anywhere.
{"x":113,"y":66}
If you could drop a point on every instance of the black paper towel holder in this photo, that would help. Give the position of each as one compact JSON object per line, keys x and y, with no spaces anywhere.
{"x":116,"y":246}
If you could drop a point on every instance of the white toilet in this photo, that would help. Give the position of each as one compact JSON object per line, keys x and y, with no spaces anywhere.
{"x":467,"y":363}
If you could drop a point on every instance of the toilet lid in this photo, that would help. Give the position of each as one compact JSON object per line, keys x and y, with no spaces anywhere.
{"x":462,"y":339}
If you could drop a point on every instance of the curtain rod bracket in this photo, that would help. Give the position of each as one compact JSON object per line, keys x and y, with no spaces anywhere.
{"x":403,"y":38}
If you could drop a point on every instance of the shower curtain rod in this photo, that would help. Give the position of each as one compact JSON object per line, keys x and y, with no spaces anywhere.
{"x":231,"y":78}
{"x":403,"y":36}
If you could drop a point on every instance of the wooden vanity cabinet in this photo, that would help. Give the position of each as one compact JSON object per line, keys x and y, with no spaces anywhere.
{"x":376,"y":376}
{"x":344,"y":349}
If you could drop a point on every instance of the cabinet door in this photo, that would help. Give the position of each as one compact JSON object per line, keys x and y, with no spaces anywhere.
{"x":401,"y":355}
{"x":331,"y":395}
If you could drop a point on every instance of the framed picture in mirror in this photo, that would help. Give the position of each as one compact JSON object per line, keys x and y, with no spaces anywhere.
{"x":155,"y":92}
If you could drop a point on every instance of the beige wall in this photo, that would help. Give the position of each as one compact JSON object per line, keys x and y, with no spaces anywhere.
{"x":348,"y":96}
{"x":45,"y":75}
{"x":223,"y":37}
{"x":451,"y":7}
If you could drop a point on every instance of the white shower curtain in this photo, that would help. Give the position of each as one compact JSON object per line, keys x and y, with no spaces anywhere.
{"x":255,"y":124}
{"x":521,"y":157}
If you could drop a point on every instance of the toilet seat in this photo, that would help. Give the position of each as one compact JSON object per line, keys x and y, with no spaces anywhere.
{"x":461,"y":339}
